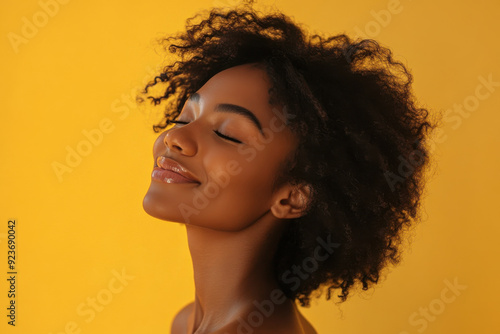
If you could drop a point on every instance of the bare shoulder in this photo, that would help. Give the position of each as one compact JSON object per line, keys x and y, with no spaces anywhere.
{"x":179,"y":325}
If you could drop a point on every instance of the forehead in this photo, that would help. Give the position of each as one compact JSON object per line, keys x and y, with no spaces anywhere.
{"x":244,"y":85}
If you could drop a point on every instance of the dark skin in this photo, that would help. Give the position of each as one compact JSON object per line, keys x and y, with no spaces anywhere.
{"x":233,"y":230}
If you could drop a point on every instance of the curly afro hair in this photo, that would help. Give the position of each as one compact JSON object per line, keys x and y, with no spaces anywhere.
{"x":362,"y":144}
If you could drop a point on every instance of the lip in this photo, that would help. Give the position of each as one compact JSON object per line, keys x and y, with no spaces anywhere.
{"x":170,"y":171}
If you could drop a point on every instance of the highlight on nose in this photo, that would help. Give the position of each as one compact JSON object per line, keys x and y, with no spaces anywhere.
{"x":180,"y":141}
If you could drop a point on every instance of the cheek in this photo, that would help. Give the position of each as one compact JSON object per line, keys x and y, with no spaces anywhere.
{"x":237,"y":192}
{"x":231,"y":172}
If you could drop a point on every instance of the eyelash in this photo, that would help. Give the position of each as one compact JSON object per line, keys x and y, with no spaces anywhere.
{"x":216,"y":132}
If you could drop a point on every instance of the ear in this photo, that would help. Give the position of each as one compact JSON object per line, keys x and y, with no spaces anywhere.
{"x":291,"y":201}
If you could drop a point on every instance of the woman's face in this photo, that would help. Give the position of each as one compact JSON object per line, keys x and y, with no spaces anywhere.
{"x":230,"y":143}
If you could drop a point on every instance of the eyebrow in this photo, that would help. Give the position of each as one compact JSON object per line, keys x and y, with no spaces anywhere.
{"x":233,"y":108}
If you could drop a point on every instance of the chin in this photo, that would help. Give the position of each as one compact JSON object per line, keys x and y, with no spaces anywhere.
{"x":156,"y":208}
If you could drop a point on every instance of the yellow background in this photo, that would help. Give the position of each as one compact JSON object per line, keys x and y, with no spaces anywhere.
{"x":84,"y":63}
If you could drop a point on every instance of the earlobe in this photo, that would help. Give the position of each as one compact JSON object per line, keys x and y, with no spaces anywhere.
{"x":292,"y":201}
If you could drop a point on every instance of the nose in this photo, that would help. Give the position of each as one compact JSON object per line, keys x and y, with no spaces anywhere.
{"x":180,"y":140}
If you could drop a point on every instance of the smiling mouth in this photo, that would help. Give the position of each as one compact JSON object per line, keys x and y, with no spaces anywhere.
{"x":170,"y":171}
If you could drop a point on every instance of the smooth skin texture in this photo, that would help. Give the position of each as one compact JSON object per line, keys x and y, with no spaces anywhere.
{"x":233,"y":235}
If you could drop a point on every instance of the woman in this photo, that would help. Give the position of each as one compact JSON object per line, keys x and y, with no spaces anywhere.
{"x":294,"y":161}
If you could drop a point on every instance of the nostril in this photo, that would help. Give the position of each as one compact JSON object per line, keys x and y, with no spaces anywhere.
{"x":179,"y":140}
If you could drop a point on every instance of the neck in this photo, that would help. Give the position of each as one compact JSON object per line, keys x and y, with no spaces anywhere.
{"x":231,"y":270}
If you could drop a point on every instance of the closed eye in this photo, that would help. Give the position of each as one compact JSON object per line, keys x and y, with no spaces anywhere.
{"x":178,"y":122}
{"x":217,"y":132}
{"x":227,"y":137}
